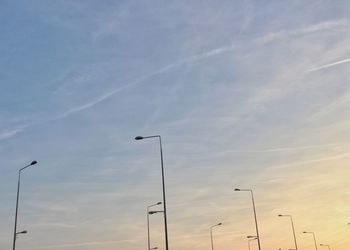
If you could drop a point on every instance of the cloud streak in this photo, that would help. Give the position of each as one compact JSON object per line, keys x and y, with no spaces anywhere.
{"x":300,"y":163}
{"x":187,"y":60}
{"x":329,"y":65}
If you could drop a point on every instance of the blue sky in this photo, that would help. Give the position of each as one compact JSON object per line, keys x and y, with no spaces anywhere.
{"x":244,"y":93}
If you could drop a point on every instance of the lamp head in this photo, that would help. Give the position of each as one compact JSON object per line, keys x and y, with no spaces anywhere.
{"x":33,"y":162}
{"x":159,"y":203}
{"x":219,"y":224}
{"x":280,"y":215}
{"x":138,"y":138}
{"x":237,"y":189}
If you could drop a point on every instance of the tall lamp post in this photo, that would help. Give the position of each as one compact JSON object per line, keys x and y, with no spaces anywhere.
{"x":148,"y":235}
{"x":16,"y":214}
{"x":323,"y":245}
{"x":250,"y":239}
{"x":256,"y":221}
{"x":313,"y":236}
{"x":291,"y":220}
{"x":211,"y":234}
{"x":163,"y":184}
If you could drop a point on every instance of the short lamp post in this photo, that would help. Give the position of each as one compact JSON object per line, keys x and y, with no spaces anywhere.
{"x":291,"y":221}
{"x":313,"y":234}
{"x":148,"y":233}
{"x":250,"y":239}
{"x":211,"y":234}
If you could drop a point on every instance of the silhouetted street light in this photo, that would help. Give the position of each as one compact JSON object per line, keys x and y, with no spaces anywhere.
{"x":163,"y":184}
{"x":323,"y":245}
{"x":256,"y":221}
{"x":154,"y":248}
{"x":148,"y":236}
{"x":291,"y":220}
{"x":313,"y":236}
{"x":211,"y":234}
{"x":22,"y":232}
{"x":16,"y":213}
{"x":252,"y":238}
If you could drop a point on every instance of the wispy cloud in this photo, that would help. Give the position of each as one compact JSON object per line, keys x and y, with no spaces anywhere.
{"x":329,"y":65}
{"x":189,"y":60}
{"x":322,"y":26}
{"x":317,"y":160}
{"x":283,"y":149}
{"x":9,"y":133}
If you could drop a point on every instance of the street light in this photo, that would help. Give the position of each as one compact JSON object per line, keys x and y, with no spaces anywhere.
{"x":313,"y":236}
{"x":256,"y":221}
{"x":16,"y":213}
{"x":211,"y":234}
{"x":291,"y":220}
{"x":148,"y":213}
{"x":323,"y":245}
{"x":154,"y":248}
{"x":22,"y":232}
{"x":163,"y":184}
{"x":252,"y":238}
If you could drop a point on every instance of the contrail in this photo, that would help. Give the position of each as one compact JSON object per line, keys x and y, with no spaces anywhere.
{"x":328,"y":65}
{"x":137,"y":81}
{"x":190,"y":59}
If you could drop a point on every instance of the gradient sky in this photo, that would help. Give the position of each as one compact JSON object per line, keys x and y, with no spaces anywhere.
{"x":249,"y":94}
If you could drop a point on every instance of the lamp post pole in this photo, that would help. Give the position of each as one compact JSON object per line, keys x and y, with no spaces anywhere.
{"x":16,"y":213}
{"x":211,"y":234}
{"x":148,"y":233}
{"x":291,"y":220}
{"x":163,"y":185}
{"x":313,"y":234}
{"x":256,"y":221}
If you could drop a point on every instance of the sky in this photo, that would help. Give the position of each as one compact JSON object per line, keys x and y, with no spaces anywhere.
{"x":245,"y":94}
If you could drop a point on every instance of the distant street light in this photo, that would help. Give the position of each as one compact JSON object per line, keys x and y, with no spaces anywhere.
{"x":154,"y":248}
{"x":256,"y":221}
{"x":291,"y":220}
{"x":16,"y":213}
{"x":163,"y":184}
{"x":313,"y":236}
{"x":252,"y":238}
{"x":148,"y":213}
{"x":323,"y":245}
{"x":22,"y":232}
{"x":211,"y":234}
